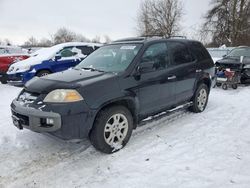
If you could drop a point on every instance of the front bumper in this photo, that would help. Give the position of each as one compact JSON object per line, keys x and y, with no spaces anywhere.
{"x":19,"y":79}
{"x":70,"y":121}
{"x":33,"y":119}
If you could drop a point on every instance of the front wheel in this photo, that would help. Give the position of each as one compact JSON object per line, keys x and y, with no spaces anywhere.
{"x":200,"y":99}
{"x":112,"y":129}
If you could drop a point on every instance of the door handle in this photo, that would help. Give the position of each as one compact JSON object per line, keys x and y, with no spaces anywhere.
{"x":199,"y":70}
{"x":171,"y":77}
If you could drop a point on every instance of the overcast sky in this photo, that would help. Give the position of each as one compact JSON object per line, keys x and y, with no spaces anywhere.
{"x":20,"y":19}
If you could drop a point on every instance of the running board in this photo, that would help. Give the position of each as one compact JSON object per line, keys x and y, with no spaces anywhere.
{"x":164,"y":113}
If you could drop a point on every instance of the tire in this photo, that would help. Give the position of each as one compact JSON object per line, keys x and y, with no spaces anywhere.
{"x":3,"y":80}
{"x":224,"y":86}
{"x":218,"y":84}
{"x":200,"y":99}
{"x":234,"y":86}
{"x":43,"y":73}
{"x":106,"y":130}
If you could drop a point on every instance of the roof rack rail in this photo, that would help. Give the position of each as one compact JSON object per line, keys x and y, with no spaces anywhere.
{"x":178,"y":36}
{"x":131,"y":39}
{"x":242,"y":47}
{"x":153,"y":35}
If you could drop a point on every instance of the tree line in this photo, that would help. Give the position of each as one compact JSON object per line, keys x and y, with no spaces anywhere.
{"x":226,"y":22}
{"x":62,"y":35}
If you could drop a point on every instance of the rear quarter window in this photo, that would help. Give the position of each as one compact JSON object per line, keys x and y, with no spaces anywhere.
{"x":86,"y":50}
{"x":180,"y":53}
{"x":199,"y":51}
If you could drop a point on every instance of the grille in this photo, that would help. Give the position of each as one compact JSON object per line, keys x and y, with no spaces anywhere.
{"x":27,"y":97}
{"x":24,"y":120}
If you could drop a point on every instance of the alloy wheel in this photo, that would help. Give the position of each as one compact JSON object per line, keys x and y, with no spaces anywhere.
{"x":116,"y":129}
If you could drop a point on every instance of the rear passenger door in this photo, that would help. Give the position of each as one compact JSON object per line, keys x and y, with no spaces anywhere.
{"x":185,"y":67}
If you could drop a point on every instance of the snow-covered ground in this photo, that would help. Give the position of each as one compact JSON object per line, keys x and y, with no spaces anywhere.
{"x":188,"y":150}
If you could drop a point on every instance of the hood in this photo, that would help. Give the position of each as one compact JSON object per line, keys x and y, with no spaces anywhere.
{"x":70,"y":79}
{"x":234,"y":60}
{"x":229,"y":60}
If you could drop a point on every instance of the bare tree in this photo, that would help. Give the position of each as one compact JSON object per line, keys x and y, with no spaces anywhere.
{"x":63,"y":35}
{"x":228,"y":21}
{"x":97,"y":39}
{"x":161,"y":17}
{"x":44,"y":42}
{"x":80,"y":38}
{"x":32,"y":42}
{"x":107,"y":39}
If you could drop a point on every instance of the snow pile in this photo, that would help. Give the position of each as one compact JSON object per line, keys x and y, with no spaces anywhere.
{"x":211,"y":149}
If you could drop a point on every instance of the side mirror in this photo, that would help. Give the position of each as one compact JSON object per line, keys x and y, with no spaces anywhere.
{"x":58,"y":57}
{"x":145,"y":67}
{"x":224,"y":56}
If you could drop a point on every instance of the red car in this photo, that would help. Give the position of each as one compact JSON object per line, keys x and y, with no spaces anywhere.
{"x":9,"y":55}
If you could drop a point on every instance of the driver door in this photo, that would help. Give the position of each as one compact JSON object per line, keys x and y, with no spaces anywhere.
{"x":156,"y":85}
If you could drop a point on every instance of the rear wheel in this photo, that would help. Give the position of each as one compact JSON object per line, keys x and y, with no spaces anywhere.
{"x":200,"y":99}
{"x":234,"y":86}
{"x":224,"y":86}
{"x":112,"y":129}
{"x":218,"y":84}
{"x":4,"y":80}
{"x":43,"y":73}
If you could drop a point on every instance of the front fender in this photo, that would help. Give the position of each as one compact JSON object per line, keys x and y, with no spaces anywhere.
{"x":39,"y":67}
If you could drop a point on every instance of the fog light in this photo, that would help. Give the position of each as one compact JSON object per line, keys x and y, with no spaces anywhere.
{"x":49,"y":121}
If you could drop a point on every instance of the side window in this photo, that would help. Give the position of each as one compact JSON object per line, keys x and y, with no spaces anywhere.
{"x":86,"y":50}
{"x":199,"y":51}
{"x":181,"y":54}
{"x":67,"y":52}
{"x":157,"y":54}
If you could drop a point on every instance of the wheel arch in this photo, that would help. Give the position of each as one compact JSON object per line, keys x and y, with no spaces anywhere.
{"x":43,"y":69}
{"x":130,"y":103}
{"x":204,"y":80}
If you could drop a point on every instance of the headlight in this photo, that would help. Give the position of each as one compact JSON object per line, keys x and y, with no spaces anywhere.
{"x":63,"y":96}
{"x":11,"y":69}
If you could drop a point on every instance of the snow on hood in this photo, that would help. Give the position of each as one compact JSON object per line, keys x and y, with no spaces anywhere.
{"x":45,"y":54}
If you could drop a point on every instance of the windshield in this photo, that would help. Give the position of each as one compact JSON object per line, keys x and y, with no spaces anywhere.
{"x":240,"y":52}
{"x":112,"y":58}
{"x":217,"y":53}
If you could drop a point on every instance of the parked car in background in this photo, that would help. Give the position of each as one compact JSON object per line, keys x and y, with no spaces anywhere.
{"x":117,"y":86}
{"x":218,"y":53}
{"x":49,"y":60}
{"x":237,"y":60}
{"x":8,"y":56}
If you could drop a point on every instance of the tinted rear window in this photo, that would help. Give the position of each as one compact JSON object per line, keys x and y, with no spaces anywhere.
{"x":199,"y":51}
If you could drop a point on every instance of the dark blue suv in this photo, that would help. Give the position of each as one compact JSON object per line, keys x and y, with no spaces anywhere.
{"x":115,"y":88}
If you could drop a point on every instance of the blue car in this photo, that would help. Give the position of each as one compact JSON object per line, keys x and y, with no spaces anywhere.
{"x":49,"y":60}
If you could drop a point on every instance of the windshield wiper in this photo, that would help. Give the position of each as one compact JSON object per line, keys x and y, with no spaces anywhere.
{"x":92,"y":69}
